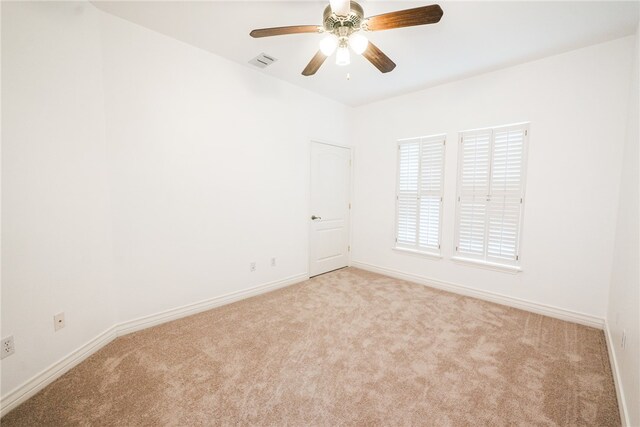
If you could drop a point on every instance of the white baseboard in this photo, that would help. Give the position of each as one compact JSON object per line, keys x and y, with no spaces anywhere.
{"x":53,"y":372}
{"x":547,"y":310}
{"x":189,"y":309}
{"x":617,"y":379}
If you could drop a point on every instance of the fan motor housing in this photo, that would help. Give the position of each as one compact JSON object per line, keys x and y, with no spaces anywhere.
{"x":333,"y":23}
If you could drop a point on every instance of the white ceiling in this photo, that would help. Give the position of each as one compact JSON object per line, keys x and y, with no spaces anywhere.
{"x":472,"y":37}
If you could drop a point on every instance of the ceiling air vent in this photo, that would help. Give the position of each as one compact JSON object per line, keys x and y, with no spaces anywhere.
{"x":263,"y":60}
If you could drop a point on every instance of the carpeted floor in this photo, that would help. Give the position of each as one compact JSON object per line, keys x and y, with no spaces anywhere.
{"x":346,"y":348}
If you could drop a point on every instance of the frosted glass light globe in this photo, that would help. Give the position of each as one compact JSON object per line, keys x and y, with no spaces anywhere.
{"x":328,"y":44}
{"x":343,"y":56}
{"x":358,"y":43}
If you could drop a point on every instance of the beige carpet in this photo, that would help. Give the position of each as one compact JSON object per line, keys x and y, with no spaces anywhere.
{"x":345,"y":348}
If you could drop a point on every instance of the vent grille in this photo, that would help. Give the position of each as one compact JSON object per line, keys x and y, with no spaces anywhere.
{"x":263,"y":60}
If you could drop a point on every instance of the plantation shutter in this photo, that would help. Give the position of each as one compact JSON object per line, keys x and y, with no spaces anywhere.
{"x":419,"y":196}
{"x":407,"y":197}
{"x":506,"y":194}
{"x":472,"y":198}
{"x":490,"y":194}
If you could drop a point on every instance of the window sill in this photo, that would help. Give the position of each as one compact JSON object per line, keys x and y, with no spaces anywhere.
{"x":431,"y":255}
{"x":503,"y":268}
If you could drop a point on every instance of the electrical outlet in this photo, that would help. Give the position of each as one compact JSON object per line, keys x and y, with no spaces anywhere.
{"x":58,"y":322}
{"x":273,"y":262}
{"x":252,"y":266}
{"x":8,"y":347}
{"x":623,"y":341}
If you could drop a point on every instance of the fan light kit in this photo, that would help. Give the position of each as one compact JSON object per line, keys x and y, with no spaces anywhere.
{"x":344,"y":23}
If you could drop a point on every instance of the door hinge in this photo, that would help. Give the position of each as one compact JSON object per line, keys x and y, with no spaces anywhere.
{"x":456,"y":249}
{"x":396,"y":240}
{"x":526,"y":132}
{"x":349,"y":205}
{"x":517,"y":257}
{"x":520,"y":199}
{"x":349,"y":248}
{"x":438,"y":246}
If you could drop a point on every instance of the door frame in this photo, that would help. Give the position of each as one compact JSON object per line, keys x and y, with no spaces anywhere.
{"x":309,"y":213}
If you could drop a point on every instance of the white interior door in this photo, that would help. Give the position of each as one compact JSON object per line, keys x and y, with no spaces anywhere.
{"x":330,"y":204}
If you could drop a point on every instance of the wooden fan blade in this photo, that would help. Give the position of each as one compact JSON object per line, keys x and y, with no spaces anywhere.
{"x":378,"y":58}
{"x":315,"y":63}
{"x":405,"y":18}
{"x":281,"y":31}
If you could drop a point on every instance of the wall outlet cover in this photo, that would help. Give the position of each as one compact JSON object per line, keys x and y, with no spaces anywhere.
{"x":8,"y":347}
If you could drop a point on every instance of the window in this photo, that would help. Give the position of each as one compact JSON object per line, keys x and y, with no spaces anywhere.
{"x":491,"y":171}
{"x":419,"y":194}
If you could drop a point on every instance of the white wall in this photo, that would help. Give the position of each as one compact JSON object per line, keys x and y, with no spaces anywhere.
{"x":56,"y":218}
{"x":210,"y":170}
{"x":624,"y":296}
{"x":577,"y":105}
{"x":157,"y":195}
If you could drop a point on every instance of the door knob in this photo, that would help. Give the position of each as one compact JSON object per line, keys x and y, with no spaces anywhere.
{"x":313,"y":217}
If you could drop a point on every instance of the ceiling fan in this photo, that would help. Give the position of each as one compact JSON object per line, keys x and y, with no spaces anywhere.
{"x":344,"y":23}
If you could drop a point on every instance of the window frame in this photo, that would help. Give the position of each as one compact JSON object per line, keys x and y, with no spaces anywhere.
{"x":485,"y":260}
{"x":417,"y":250}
